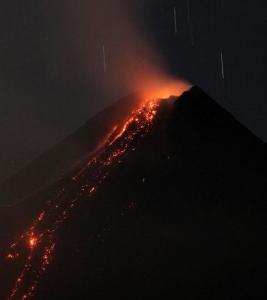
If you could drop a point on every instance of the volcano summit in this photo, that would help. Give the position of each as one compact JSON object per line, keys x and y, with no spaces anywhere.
{"x":162,"y":197}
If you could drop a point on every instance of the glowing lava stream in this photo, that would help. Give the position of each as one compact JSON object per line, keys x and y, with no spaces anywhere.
{"x":33,"y":251}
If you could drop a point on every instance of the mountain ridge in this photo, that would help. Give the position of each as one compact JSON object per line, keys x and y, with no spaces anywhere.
{"x":181,"y":211}
{"x":66,"y":153}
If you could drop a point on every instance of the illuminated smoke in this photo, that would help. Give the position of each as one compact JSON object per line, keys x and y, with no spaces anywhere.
{"x":128,"y":63}
{"x":114,"y":48}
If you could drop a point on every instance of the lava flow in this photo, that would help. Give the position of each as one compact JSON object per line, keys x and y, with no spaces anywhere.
{"x":32,"y":252}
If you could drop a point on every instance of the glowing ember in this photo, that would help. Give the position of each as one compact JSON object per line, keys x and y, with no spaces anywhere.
{"x":32,"y":242}
{"x":11,"y":256}
{"x":92,"y":190}
{"x":41,"y":216}
{"x":40,"y":238}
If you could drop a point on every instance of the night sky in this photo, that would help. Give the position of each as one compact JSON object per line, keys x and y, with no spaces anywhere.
{"x":51,"y":59}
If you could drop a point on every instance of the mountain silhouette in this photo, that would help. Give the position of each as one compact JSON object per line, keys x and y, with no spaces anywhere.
{"x":171,"y":204}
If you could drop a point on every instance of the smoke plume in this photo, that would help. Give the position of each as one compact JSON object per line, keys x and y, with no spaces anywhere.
{"x":115,"y":54}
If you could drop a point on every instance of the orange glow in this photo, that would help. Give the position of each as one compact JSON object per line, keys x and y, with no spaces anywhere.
{"x":39,"y":240}
{"x":164,"y":88}
{"x":148,"y":109}
{"x":32,"y":242}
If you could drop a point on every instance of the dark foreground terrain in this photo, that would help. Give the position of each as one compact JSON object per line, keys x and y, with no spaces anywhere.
{"x":179,"y":212}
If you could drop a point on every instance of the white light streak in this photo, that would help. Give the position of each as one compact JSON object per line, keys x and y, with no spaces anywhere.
{"x":222,"y":65}
{"x":175,"y":19}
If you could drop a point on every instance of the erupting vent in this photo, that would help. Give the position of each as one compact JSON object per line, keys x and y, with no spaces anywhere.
{"x":32,"y":252}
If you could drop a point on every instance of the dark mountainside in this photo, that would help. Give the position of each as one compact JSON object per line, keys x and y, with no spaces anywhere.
{"x":55,"y":163}
{"x":183,"y":216}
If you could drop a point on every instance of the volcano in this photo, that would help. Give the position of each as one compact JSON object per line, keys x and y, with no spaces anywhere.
{"x":160,"y":198}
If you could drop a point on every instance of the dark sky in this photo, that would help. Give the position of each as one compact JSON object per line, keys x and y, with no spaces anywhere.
{"x":51,"y":58}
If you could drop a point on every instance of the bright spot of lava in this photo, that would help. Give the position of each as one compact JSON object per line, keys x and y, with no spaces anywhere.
{"x":39,"y":241}
{"x":32,"y":242}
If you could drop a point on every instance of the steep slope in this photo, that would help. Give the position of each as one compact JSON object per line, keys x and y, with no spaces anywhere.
{"x":174,"y":204}
{"x":54,"y":163}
